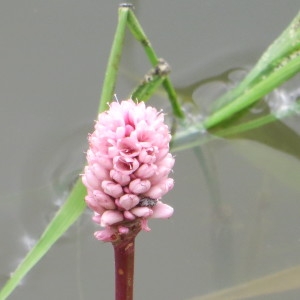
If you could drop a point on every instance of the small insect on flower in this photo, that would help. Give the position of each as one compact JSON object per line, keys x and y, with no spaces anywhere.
{"x":147,"y":202}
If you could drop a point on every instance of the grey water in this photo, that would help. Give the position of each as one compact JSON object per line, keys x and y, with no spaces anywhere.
{"x":236,"y":200}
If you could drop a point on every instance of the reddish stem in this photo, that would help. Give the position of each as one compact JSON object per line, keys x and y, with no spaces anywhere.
{"x":124,"y":263}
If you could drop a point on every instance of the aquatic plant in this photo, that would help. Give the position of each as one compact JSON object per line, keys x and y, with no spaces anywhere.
{"x":122,"y":194}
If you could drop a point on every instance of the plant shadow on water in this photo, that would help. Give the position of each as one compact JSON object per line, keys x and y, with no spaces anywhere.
{"x":252,"y":181}
{"x":236,"y":205}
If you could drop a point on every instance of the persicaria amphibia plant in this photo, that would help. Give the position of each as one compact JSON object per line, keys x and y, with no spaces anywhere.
{"x":128,"y":167}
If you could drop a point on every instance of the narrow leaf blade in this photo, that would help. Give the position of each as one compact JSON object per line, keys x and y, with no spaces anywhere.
{"x":65,"y":217}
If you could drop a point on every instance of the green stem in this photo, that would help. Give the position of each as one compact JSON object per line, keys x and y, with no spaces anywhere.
{"x":114,"y":60}
{"x":139,"y":34}
{"x":144,"y":91}
{"x":256,"y":123}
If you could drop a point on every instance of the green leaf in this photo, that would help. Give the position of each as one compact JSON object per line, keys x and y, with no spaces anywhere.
{"x":279,"y":63}
{"x":152,"y":80}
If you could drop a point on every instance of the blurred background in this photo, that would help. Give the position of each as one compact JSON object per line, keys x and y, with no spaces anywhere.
{"x":236,"y":201}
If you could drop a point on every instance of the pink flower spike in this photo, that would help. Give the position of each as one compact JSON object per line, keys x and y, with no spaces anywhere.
{"x":111,"y":217}
{"x":147,"y":156}
{"x":100,"y":172}
{"x":129,"y":147}
{"x":123,"y":229}
{"x":125,"y":165}
{"x":162,"y":154}
{"x":139,"y":186}
{"x":129,"y":216}
{"x":119,"y":177}
{"x":142,"y":212}
{"x":106,"y":235}
{"x":120,"y":132}
{"x":144,"y":225}
{"x":104,"y":200}
{"x":168,"y":161}
{"x":128,"y":201}
{"x":145,"y":171}
{"x":113,"y":189}
{"x":105,"y":162}
{"x":128,"y":168}
{"x":160,"y":189}
{"x":94,"y":204}
{"x":162,"y":211}
{"x":90,"y":179}
{"x":97,"y":218}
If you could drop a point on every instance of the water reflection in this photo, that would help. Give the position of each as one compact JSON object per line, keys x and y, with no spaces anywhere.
{"x":236,"y":212}
{"x":239,"y":245}
{"x":28,"y":242}
{"x":283,"y":102}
